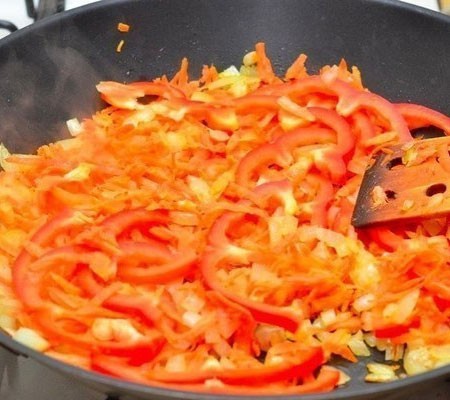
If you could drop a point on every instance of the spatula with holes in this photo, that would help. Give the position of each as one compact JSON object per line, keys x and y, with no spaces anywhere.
{"x":405,"y":183}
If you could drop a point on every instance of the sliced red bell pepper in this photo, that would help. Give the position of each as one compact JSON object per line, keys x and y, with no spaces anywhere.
{"x":280,"y":192}
{"x":264,"y":313}
{"x":441,"y":303}
{"x":122,"y":222}
{"x":168,"y":266}
{"x":134,"y":305}
{"x":418,"y":116}
{"x":345,"y":138}
{"x":306,"y":362}
{"x":136,"y":352}
{"x":42,"y":237}
{"x":127,"y":96}
{"x":385,"y":238}
{"x":244,"y":337}
{"x":363,"y":126}
{"x":279,"y":152}
{"x":326,"y":380}
{"x":256,"y":160}
{"x":351,"y":100}
{"x":29,"y":276}
{"x":256,"y":103}
{"x":396,"y":330}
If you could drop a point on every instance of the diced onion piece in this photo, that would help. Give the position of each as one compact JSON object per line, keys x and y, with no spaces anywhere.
{"x":230,"y":71}
{"x":364,"y":303}
{"x":200,"y":188}
{"x":211,"y":364}
{"x":250,"y":59}
{"x":280,"y":227}
{"x":74,"y":126}
{"x":176,"y":363}
{"x":4,"y":154}
{"x":7,"y":322}
{"x":31,"y":338}
{"x":381,"y":373}
{"x":114,"y":329}
{"x":378,"y":196}
{"x":401,"y":310}
{"x":425,"y":358}
{"x":191,"y":318}
{"x":358,"y":346}
{"x":219,"y":136}
{"x":80,"y":173}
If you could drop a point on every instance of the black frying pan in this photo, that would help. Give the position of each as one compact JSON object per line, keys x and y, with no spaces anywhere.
{"x":48,"y":74}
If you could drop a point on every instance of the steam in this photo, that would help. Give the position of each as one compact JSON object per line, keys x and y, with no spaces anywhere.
{"x":45,"y":82}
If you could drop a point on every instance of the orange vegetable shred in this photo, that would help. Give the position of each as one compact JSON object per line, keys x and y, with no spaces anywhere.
{"x":121,"y":27}
{"x":195,"y":234}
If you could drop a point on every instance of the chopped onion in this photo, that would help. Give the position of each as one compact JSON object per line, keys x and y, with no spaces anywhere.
{"x":74,"y":126}
{"x":31,"y":338}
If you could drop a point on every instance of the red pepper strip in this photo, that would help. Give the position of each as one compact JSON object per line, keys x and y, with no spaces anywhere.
{"x":331,"y":164}
{"x":264,"y":313}
{"x":137,"y":352}
{"x":307,"y":362}
{"x":126,"y":96}
{"x":124,"y":221}
{"x":325,"y":381}
{"x":42,"y":237}
{"x":280,"y":191}
{"x":325,"y":193}
{"x":244,"y":337}
{"x":29,"y":282}
{"x":255,"y":103}
{"x":351,"y":100}
{"x":441,"y":303}
{"x":396,"y":330}
{"x":172,"y":267}
{"x":279,"y":152}
{"x":256,"y":160}
{"x":305,"y":86}
{"x":419,"y":117}
{"x":134,"y":305}
{"x":363,"y":125}
{"x":223,"y":117}
{"x":385,"y":238}
{"x":345,"y":139}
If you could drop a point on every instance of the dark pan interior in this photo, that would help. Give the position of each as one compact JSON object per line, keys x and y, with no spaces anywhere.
{"x":49,"y":70}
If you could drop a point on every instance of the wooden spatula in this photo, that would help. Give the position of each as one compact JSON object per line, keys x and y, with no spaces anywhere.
{"x":405,"y":182}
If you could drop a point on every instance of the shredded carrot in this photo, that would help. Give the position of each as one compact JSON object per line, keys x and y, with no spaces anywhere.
{"x":121,"y":27}
{"x":197,"y":234}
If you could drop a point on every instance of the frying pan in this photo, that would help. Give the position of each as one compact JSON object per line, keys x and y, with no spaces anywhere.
{"x":49,"y":70}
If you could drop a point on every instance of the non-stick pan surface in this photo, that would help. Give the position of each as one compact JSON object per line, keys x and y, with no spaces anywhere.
{"x":48,"y":73}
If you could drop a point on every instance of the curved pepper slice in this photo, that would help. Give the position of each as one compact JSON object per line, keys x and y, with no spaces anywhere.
{"x":126,"y":96}
{"x":136,"y":351}
{"x":42,"y":237}
{"x":279,"y":152}
{"x":396,"y":330}
{"x":306,"y":362}
{"x":169,"y":266}
{"x":351,"y":100}
{"x":122,"y":222}
{"x":345,"y":138}
{"x":225,"y":251}
{"x":133,"y":305}
{"x":418,"y":116}
{"x":326,"y":380}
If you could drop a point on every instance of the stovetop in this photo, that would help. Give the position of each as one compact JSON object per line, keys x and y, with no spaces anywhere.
{"x":24,"y":379}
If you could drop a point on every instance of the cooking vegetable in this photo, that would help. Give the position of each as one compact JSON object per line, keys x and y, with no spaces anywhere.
{"x":195,"y":234}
